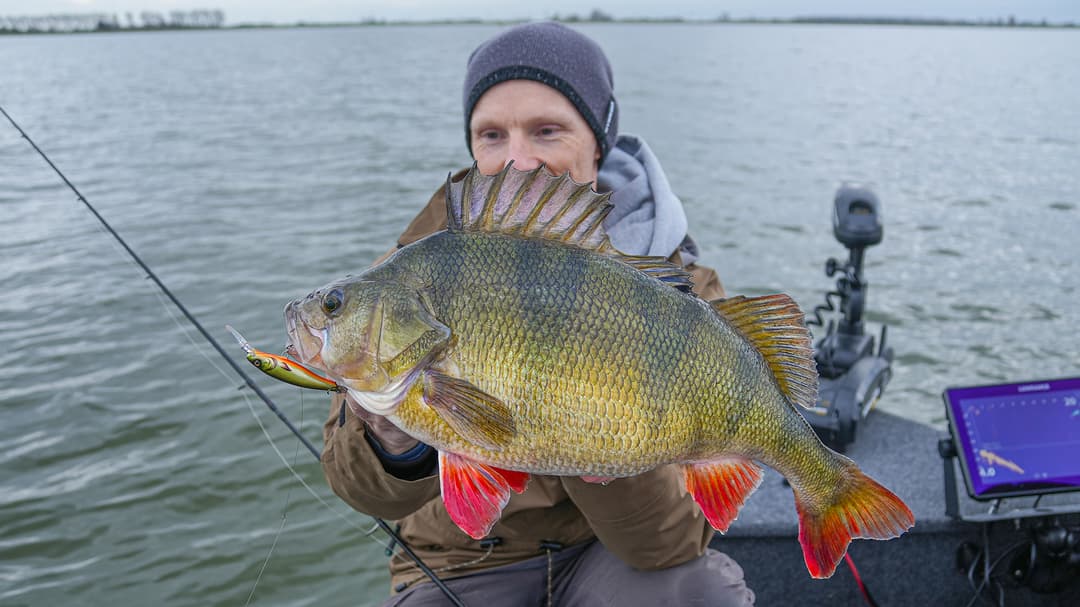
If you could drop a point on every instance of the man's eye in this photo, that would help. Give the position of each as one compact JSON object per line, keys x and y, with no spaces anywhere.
{"x":548,"y":131}
{"x":489,"y":135}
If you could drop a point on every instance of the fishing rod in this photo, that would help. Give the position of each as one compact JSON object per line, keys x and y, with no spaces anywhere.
{"x":220,"y":350}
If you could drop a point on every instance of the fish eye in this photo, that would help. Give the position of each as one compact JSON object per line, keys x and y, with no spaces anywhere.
{"x":332,"y":301}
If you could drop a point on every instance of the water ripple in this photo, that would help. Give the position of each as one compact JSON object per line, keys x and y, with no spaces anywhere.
{"x":248,"y":167}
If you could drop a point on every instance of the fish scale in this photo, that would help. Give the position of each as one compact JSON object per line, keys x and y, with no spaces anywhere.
{"x":518,"y":341}
{"x":606,"y":360}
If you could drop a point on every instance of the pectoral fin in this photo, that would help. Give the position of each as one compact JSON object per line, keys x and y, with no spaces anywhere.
{"x":720,"y":488}
{"x":477,"y":416}
{"x":474,"y":493}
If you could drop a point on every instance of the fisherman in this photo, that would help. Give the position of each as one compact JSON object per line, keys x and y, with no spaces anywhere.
{"x":542,"y":94}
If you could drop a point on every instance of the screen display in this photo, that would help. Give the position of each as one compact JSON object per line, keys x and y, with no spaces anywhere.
{"x":1017,"y":439}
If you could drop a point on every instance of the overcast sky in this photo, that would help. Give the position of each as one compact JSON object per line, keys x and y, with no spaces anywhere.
{"x":283,"y":11}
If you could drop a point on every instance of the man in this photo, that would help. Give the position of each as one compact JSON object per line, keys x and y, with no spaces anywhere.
{"x":541,"y":94}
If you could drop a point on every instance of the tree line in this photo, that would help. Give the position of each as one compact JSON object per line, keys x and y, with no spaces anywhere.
{"x":95,"y":22}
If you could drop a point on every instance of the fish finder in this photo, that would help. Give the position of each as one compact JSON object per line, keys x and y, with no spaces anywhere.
{"x":1018,"y":438}
{"x":852,"y":372}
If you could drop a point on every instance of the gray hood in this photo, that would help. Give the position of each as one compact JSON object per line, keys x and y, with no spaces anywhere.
{"x":648,"y":218}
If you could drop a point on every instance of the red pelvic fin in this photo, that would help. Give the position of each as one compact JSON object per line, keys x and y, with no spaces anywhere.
{"x":474,"y":493}
{"x":598,"y":480}
{"x":862,"y":508}
{"x":720,"y":487}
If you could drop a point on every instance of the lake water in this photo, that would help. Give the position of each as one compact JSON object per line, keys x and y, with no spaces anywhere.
{"x":248,"y":167}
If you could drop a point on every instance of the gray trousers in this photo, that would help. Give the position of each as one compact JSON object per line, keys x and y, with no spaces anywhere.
{"x":588,"y":575}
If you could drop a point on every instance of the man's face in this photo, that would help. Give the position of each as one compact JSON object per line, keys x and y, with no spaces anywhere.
{"x":532,"y":124}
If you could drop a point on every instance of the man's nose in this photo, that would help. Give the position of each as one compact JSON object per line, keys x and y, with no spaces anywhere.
{"x":522,"y":153}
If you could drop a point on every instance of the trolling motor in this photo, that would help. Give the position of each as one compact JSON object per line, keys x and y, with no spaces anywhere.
{"x":852,"y":375}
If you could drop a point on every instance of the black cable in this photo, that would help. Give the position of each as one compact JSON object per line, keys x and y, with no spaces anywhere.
{"x":214,"y":343}
{"x":828,"y":306}
{"x":989,"y":567}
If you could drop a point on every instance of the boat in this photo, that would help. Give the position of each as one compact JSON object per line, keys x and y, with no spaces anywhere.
{"x":928,"y":565}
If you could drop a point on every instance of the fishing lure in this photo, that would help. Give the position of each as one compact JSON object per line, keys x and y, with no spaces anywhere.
{"x":284,"y":369}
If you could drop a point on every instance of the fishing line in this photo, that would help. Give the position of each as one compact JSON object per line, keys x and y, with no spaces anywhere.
{"x":180,"y":306}
{"x":284,"y":516}
{"x":235,"y":367}
{"x":368,"y":533}
{"x":266,"y":432}
{"x":296,"y":474}
{"x":266,"y":561}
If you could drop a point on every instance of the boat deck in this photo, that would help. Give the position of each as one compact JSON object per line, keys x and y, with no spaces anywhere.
{"x":918,"y":568}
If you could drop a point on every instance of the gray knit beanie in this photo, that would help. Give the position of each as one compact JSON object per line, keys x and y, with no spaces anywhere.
{"x":557,"y":56}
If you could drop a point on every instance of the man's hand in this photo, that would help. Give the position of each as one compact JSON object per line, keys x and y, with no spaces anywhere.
{"x":389,"y":436}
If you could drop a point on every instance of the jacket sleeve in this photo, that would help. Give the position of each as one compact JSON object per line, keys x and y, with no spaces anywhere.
{"x":359,"y":478}
{"x":648,"y":521}
{"x":707,"y":283}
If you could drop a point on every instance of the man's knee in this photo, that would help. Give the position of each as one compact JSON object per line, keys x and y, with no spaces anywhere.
{"x":723,"y":580}
{"x":712,"y":579}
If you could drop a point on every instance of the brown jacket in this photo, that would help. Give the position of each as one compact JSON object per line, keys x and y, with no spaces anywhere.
{"x":648,"y":521}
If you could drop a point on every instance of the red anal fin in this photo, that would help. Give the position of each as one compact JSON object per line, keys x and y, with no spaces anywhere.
{"x":598,"y":480}
{"x":861,"y":508}
{"x":720,"y":488}
{"x":474,"y":493}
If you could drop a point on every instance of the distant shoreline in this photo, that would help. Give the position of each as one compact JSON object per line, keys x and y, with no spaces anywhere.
{"x":893,"y":21}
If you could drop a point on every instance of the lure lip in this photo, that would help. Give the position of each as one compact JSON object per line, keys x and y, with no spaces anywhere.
{"x":248,"y":349}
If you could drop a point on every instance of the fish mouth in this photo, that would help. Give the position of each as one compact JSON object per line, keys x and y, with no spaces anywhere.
{"x":305,"y":342}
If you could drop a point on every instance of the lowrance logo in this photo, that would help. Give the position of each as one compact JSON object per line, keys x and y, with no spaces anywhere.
{"x":1033,"y":388}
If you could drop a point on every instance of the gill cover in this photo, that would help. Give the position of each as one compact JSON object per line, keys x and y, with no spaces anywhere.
{"x":385,"y":332}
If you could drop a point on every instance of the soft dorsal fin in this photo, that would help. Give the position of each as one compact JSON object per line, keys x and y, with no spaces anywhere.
{"x":775,"y":325}
{"x":662,"y":269}
{"x":532,"y":204}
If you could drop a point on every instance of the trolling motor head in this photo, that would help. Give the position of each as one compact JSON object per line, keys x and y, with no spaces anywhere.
{"x":857,"y":217}
{"x":857,"y":225}
{"x":852,"y":375}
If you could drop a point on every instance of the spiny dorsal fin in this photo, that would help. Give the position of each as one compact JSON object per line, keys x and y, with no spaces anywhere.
{"x":532,"y":204}
{"x":774,"y":324}
{"x":538,"y":204}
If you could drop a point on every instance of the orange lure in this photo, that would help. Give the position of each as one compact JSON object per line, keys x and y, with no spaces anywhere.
{"x":284,"y":369}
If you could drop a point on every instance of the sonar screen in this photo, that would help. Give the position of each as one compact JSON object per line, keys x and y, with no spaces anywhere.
{"x":1017,"y":439}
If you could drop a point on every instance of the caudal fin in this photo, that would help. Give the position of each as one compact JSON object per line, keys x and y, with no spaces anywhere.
{"x":862,"y":508}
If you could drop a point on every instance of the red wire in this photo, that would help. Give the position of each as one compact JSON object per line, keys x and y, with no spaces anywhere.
{"x":858,"y":580}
